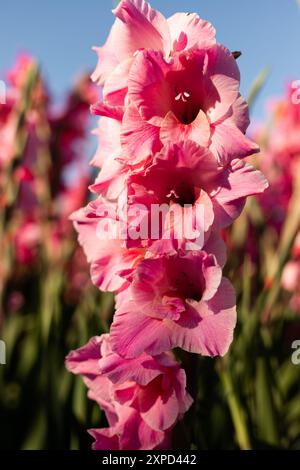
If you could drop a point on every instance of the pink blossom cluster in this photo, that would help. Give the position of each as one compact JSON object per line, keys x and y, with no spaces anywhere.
{"x":280,"y":145}
{"x":42,"y":151}
{"x":54,"y":140}
{"x":291,"y":276}
{"x":281,"y":164}
{"x":172,"y":133}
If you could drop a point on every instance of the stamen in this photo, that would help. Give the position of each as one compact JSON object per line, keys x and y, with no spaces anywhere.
{"x":183,"y":95}
{"x":173,"y":193}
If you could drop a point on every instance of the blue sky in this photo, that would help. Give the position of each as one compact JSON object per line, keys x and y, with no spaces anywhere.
{"x":60,"y":33}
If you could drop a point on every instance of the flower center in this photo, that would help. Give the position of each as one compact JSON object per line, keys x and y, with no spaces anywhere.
{"x":183,"y":96}
{"x":185,"y":106}
{"x":181,"y":194}
{"x":185,"y":288}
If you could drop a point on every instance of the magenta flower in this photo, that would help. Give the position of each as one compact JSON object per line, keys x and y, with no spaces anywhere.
{"x":175,"y":301}
{"x":138,"y":26}
{"x":193,"y":96}
{"x":143,"y":398}
{"x":185,"y":177}
{"x":176,"y":83}
{"x":172,"y":136}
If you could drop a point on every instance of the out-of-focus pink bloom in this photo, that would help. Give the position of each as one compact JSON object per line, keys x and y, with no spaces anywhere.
{"x":291,"y":276}
{"x":275,"y":200}
{"x":72,"y":197}
{"x":143,"y":398}
{"x":280,"y":157}
{"x":70,"y":126}
{"x":16,"y":78}
{"x":7,"y":144}
{"x":53,"y":158}
{"x":280,"y":161}
{"x":175,"y":301}
{"x":286,"y":130}
{"x":26,"y":241}
{"x":17,"y":75}
{"x":15,"y":301}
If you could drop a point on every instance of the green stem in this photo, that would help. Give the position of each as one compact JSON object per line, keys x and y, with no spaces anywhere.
{"x":236,"y":410}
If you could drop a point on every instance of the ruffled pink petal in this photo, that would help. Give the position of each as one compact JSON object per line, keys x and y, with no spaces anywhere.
{"x":216,"y":245}
{"x":185,"y":401}
{"x":240,"y":114}
{"x":141,"y":370}
{"x":213,"y":334}
{"x":206,"y":328}
{"x":137,"y":26}
{"x":84,"y":360}
{"x":115,"y":87}
{"x":105,"y":439}
{"x":212,"y":274}
{"x":108,"y":133}
{"x":105,"y":109}
{"x":172,"y":130}
{"x":132,"y":333}
{"x":139,"y":138}
{"x":111,"y":179}
{"x":107,"y":60}
{"x":189,"y":31}
{"x":160,"y":412}
{"x":147,"y":86}
{"x":140,"y":26}
{"x":237,"y":182}
{"x":106,"y":256}
{"x":223,"y":83}
{"x":228,"y":142}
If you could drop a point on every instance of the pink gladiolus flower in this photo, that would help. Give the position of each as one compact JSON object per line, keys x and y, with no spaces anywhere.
{"x":138,"y":26}
{"x":195,"y":96}
{"x":175,"y":301}
{"x":143,"y":398}
{"x":185,"y":177}
{"x":172,"y":136}
{"x":176,"y":83}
